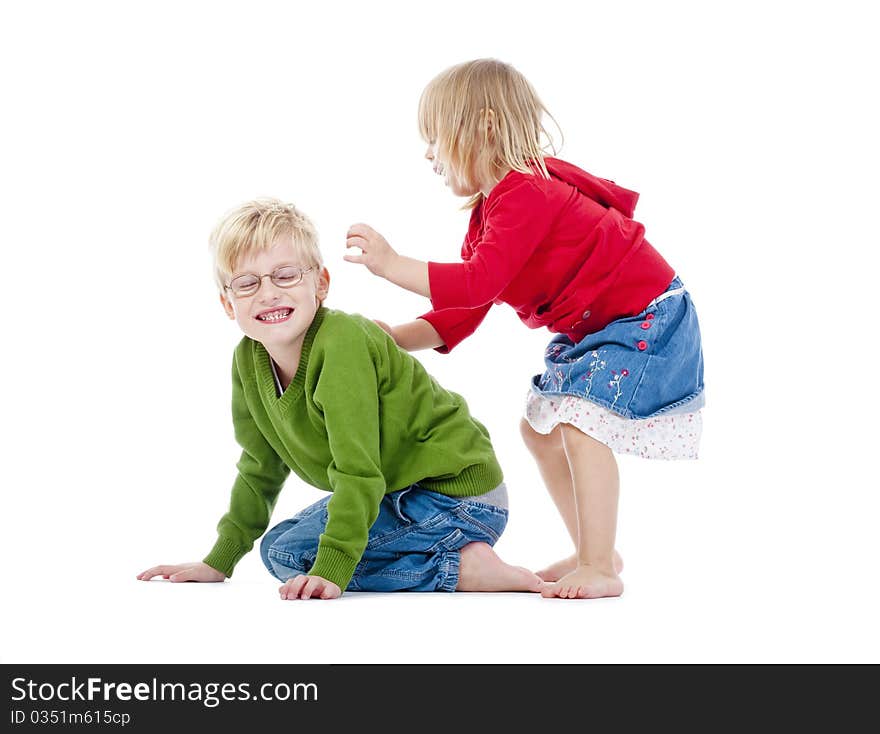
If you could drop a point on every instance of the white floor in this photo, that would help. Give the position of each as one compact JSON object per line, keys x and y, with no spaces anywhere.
{"x":708,"y":579}
{"x":116,"y":620}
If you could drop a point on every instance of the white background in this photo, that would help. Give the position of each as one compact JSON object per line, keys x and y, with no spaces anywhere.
{"x":128,"y":130}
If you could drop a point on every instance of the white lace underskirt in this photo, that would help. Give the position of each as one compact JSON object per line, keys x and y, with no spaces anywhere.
{"x":661,"y":437}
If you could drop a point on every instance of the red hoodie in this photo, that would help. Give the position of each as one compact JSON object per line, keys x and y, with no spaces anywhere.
{"x":564,"y":252}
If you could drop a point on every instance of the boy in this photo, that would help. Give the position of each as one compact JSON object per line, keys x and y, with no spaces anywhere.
{"x":417,"y":498}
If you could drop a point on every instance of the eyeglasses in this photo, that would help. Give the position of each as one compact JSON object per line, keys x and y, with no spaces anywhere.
{"x":249,"y":283}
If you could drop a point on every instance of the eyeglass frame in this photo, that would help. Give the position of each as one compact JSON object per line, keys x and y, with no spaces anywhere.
{"x":302,"y":274}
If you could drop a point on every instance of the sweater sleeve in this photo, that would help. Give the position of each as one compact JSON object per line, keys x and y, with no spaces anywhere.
{"x":516,"y":222}
{"x":454,"y":325}
{"x":347,"y":392}
{"x":261,"y":474}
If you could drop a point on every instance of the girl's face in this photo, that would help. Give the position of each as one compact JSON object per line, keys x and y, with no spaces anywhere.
{"x":453,"y":180}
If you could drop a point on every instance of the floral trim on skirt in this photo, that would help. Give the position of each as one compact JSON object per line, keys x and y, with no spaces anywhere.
{"x":665,"y":436}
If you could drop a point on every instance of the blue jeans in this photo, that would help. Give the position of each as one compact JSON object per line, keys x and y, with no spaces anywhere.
{"x":414,"y":544}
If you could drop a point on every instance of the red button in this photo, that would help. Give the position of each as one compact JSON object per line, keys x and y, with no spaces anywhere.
{"x":649,"y":316}
{"x":646,"y":324}
{"x":642,"y":346}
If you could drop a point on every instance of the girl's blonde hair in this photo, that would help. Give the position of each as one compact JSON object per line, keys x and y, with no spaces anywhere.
{"x":257,"y":225}
{"x":485,"y":117}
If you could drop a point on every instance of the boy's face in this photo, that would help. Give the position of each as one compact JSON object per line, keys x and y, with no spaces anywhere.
{"x":276,"y":316}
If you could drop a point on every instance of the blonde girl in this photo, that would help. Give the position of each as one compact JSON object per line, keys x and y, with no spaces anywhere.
{"x":624,"y":371}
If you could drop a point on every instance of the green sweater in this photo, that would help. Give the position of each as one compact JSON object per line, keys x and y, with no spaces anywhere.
{"x":360,"y":419}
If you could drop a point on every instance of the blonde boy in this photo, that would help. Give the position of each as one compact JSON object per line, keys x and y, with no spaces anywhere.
{"x":416,"y":494}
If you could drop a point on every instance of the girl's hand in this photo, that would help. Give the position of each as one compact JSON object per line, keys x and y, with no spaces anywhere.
{"x":307,"y":587}
{"x":385,"y":327}
{"x":376,"y":253}
{"x":184,"y":572}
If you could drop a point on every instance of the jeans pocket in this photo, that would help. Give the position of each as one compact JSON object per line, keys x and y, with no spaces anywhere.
{"x":418,"y":506}
{"x":396,"y":499}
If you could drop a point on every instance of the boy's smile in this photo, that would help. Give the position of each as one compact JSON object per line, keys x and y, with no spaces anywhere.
{"x":275,"y":315}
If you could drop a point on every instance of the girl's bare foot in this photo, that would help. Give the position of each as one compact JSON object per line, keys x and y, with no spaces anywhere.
{"x":585,"y":582}
{"x":480,"y":569}
{"x":557,"y":570}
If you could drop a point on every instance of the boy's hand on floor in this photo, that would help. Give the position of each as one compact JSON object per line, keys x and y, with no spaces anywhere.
{"x":184,"y":572}
{"x":309,"y":587}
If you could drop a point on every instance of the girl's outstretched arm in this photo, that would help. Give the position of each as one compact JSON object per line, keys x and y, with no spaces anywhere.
{"x":414,"y":335}
{"x":382,"y":260}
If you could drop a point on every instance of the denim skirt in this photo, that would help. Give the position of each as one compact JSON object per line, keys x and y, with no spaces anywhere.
{"x":637,"y":367}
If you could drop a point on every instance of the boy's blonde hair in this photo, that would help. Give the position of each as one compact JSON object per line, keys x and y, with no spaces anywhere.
{"x":257,"y":225}
{"x":485,"y":117}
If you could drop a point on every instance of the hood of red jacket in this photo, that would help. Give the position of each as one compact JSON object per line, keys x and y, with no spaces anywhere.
{"x":601,"y":190}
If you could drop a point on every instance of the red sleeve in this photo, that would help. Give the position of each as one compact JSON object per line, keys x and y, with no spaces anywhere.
{"x":515,"y":224}
{"x":454,"y":325}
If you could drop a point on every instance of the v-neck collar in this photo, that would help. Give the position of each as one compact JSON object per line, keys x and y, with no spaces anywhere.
{"x":266,"y":376}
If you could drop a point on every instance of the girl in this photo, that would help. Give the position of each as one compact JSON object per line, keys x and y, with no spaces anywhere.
{"x":624,"y":372}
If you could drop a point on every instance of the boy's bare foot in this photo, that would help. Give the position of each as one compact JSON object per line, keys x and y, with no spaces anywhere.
{"x":557,"y":570}
{"x":481,"y":569}
{"x":585,"y":582}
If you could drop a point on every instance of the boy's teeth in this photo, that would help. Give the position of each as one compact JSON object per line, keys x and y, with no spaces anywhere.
{"x":275,"y":315}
